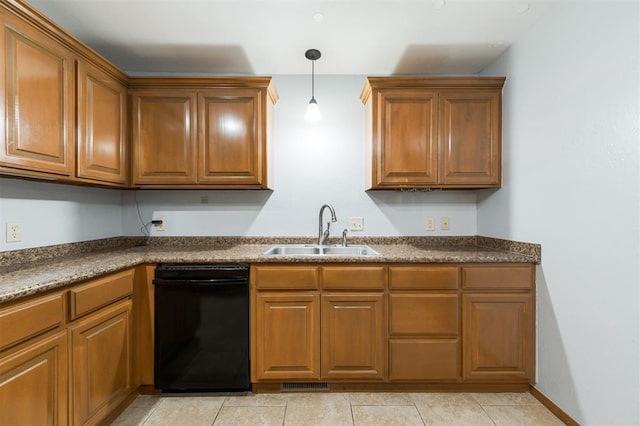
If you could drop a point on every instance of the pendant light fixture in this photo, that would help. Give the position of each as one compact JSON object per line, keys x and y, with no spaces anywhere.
{"x":313,"y":112}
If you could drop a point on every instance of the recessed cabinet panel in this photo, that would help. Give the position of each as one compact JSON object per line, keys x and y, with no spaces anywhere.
{"x":33,"y":383}
{"x":470,"y":138}
{"x":498,"y":336}
{"x":352,"y":343}
{"x":164,"y":139}
{"x":407,"y":143}
{"x":38,"y":94}
{"x":229,"y":137}
{"x":102,"y":106}
{"x":287,"y":336}
{"x":102,"y":362}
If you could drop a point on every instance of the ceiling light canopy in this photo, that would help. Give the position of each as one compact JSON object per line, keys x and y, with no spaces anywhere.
{"x":313,"y":111}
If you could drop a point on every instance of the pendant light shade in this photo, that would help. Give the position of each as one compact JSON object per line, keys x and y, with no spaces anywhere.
{"x":313,"y":111}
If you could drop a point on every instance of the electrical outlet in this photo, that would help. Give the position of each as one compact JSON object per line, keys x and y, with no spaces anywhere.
{"x":444,"y":223}
{"x":14,"y":232}
{"x":429,"y":224}
{"x":159,"y":226}
{"x":356,"y":223}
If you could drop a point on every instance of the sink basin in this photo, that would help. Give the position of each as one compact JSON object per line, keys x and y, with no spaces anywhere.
{"x":294,"y":250}
{"x":315,"y":250}
{"x":349,"y":251}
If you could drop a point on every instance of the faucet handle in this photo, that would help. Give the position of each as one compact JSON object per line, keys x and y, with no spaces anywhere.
{"x":344,"y":237}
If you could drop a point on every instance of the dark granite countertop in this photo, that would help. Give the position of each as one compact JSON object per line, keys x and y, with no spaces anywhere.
{"x":32,"y":271}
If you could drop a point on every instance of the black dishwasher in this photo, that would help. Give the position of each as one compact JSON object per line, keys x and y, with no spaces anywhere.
{"x":201,"y":327}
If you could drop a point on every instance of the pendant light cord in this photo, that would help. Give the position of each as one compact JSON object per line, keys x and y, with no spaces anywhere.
{"x":313,"y":73}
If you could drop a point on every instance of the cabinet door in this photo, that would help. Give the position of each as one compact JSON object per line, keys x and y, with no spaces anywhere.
{"x":498,"y":337}
{"x":470,"y":129}
{"x":353,"y":336}
{"x":33,"y":383}
{"x":405,"y":141}
{"x":230,"y":137}
{"x":102,"y":105}
{"x":37,"y":93}
{"x":287,"y":337}
{"x":101,"y":361}
{"x":164,"y":137}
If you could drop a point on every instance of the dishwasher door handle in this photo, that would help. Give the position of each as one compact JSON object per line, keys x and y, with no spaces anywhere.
{"x":226,"y":281}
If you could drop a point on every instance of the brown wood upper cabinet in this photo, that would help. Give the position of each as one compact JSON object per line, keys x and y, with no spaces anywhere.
{"x":102,"y":128}
{"x":37,"y":101}
{"x":201,"y":132}
{"x":433,"y":132}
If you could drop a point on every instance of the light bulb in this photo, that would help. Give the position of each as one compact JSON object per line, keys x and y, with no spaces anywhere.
{"x":313,"y":113}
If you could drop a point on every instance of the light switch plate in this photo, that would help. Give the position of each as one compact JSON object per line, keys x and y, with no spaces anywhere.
{"x":444,"y":223}
{"x":429,"y":224}
{"x":356,"y":224}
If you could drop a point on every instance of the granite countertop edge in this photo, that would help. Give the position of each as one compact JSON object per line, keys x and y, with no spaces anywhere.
{"x":74,"y":268}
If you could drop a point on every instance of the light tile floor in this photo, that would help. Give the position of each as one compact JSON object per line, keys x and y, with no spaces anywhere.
{"x":335,"y":409}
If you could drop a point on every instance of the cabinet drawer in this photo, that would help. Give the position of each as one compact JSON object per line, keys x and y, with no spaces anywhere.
{"x":424,"y":359}
{"x":411,"y":314}
{"x":95,"y":294}
{"x":423,"y":277}
{"x":353,"y":277}
{"x":498,"y":277}
{"x":285,"y":277}
{"x":22,"y":321}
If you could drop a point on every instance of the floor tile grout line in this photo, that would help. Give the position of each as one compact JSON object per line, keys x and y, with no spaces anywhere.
{"x":424,"y":422}
{"x":488,"y":415}
{"x":219,"y":409}
{"x":146,"y":418}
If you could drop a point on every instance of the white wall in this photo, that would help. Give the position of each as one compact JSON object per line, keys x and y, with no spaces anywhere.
{"x":572,"y":184}
{"x":314,"y":164}
{"x":55,"y":214}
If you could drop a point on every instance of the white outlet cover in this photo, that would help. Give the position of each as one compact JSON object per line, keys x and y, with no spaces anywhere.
{"x":14,"y":232}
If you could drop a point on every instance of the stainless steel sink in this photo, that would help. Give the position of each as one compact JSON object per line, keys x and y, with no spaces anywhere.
{"x":315,"y":250}
{"x":349,"y":251}
{"x":294,"y":250}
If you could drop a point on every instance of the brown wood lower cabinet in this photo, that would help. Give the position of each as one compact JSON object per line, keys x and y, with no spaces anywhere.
{"x":352,"y":344}
{"x":305,"y":334}
{"x":33,"y":383}
{"x":102,"y":361}
{"x":393,"y":326}
{"x":424,"y":323}
{"x":287,"y":338}
{"x":498,"y":336}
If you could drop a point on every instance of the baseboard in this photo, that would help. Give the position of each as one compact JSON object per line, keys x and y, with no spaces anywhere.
{"x":551,"y":406}
{"x":119,"y":409}
{"x":274,"y":387}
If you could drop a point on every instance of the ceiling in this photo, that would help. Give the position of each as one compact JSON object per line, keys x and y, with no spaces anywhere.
{"x":269,"y":37}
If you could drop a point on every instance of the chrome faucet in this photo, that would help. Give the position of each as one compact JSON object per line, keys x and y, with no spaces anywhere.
{"x":344,"y":237}
{"x":324,"y":234}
